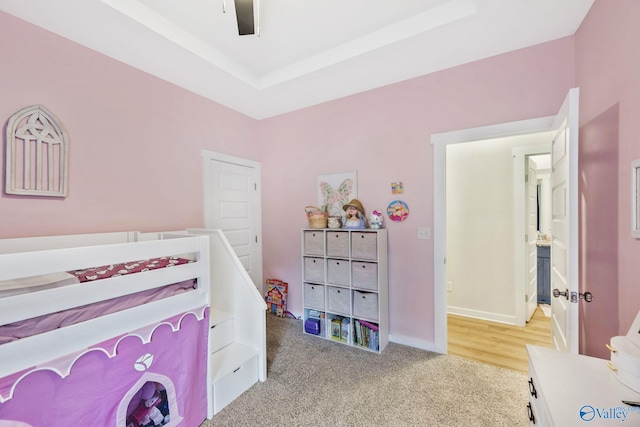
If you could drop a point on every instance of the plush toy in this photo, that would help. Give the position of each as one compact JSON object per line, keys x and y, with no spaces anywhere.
{"x":376,"y":219}
{"x":148,"y":411}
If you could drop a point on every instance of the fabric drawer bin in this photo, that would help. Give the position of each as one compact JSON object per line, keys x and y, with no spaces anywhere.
{"x":364,"y":275}
{"x":338,"y":300}
{"x":364,"y":246}
{"x":365,"y":305}
{"x":314,"y":243}
{"x":314,"y":296}
{"x":338,"y":244}
{"x":314,"y":269}
{"x":338,"y":271}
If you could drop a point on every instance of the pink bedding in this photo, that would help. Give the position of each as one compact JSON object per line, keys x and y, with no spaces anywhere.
{"x":41,"y":324}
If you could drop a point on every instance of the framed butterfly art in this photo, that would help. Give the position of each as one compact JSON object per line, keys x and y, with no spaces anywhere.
{"x":336,"y":189}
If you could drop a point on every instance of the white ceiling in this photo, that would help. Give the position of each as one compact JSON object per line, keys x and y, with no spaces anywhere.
{"x":308,"y":51}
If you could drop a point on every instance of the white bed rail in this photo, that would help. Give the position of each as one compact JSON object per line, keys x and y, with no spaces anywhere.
{"x":30,"y":244}
{"x":27,"y":352}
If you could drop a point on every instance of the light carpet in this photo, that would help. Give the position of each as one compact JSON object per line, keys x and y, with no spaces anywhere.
{"x":316,"y":382}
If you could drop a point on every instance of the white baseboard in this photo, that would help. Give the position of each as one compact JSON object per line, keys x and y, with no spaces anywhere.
{"x":484,"y":315}
{"x":413,"y":342}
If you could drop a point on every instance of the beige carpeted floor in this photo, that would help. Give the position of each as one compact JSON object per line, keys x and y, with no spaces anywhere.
{"x":315,"y":382}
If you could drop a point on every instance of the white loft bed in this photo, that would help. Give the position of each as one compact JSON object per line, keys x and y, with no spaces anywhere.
{"x":236,"y":339}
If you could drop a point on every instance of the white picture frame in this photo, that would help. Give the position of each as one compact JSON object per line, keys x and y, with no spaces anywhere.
{"x":635,"y":199}
{"x":336,"y":189}
{"x":37,"y":154}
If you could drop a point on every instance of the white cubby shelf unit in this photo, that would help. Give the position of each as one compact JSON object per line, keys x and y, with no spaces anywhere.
{"x":346,"y":287}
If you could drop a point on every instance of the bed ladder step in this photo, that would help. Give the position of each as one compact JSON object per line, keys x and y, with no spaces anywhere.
{"x":219,"y":316}
{"x":234,"y":370}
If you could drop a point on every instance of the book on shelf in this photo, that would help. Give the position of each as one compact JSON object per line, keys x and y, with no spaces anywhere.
{"x":366,"y":334}
{"x":369,"y":325}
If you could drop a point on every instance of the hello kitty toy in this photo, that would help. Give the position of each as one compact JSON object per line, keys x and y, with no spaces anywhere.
{"x":376,"y":219}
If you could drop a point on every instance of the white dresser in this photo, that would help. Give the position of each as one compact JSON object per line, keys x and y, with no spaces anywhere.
{"x":568,"y":390}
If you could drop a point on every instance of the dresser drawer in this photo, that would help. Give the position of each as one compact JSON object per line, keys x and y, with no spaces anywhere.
{"x":314,"y":243}
{"x":364,"y":275}
{"x":338,"y":244}
{"x":314,"y":269}
{"x":365,"y":304}
{"x":232,"y":385}
{"x":338,"y":300}
{"x":364,"y":246}
{"x":338,"y":272}
{"x":221,"y":335}
{"x":314,"y":296}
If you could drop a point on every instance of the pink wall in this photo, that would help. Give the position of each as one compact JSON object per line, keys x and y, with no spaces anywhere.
{"x":608,"y":73}
{"x":135,"y":140}
{"x":385,"y":135}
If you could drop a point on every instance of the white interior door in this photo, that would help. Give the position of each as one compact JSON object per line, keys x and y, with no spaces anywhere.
{"x":532,"y":238}
{"x":232,"y":204}
{"x":564,"y":226}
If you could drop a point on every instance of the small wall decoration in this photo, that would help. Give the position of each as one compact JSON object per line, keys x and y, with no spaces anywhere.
{"x":336,"y":189}
{"x":397,"y":211}
{"x":397,"y":187}
{"x":37,"y":153}
{"x":635,"y":199}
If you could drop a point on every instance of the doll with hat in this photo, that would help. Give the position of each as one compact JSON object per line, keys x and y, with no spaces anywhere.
{"x":354,"y":215}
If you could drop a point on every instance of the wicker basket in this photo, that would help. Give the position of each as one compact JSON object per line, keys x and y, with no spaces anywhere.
{"x":317,"y":218}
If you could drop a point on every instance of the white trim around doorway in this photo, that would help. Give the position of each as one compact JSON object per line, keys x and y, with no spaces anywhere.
{"x":440,"y":142}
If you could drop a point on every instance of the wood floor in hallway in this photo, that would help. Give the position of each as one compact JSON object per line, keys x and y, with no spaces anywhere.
{"x":496,"y":343}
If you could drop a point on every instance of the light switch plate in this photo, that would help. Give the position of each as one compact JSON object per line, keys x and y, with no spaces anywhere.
{"x":424,"y":233}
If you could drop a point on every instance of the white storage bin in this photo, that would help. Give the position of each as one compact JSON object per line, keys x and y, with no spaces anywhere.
{"x":314,"y":269}
{"x":338,"y":244}
{"x":365,"y":305}
{"x":314,"y":296}
{"x":364,"y":246}
{"x":314,"y":243}
{"x":338,"y":272}
{"x":338,"y":300}
{"x":364,"y":275}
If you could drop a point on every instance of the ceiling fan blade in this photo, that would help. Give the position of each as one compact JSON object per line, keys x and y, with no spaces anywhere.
{"x":244,"y":15}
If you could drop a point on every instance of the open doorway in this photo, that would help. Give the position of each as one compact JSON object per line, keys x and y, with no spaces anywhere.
{"x":486,"y":227}
{"x":493,"y":214}
{"x":474,"y":137}
{"x":564,"y":182}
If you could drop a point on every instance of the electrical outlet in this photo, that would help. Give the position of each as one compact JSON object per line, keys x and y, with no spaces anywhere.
{"x":424,"y":233}
{"x":449,"y":286}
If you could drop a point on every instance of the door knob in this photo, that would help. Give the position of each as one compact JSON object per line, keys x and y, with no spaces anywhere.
{"x":557,"y":293}
{"x":587,"y":296}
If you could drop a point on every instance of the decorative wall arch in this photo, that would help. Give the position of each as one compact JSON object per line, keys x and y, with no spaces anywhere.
{"x":37,"y":154}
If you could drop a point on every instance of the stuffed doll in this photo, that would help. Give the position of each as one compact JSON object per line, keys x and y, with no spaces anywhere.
{"x":354,"y":215}
{"x":375,"y":219}
{"x":148,"y":412}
